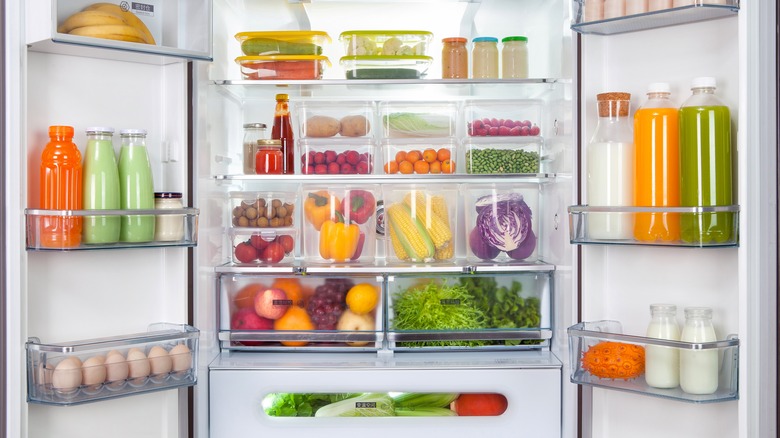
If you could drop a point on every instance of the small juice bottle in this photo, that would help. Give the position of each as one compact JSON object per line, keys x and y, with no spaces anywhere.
{"x":656,"y":172}
{"x":283,"y":130}
{"x":61,"y":189}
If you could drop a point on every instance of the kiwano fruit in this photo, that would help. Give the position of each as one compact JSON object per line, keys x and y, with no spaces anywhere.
{"x":614,"y":360}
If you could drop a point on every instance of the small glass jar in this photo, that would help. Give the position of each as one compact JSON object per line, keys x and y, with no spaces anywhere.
{"x":168,"y":227}
{"x":514,"y":57}
{"x":269,"y":159}
{"x":454,"y":58}
{"x":252,"y":133}
{"x":484,"y":58}
{"x":698,"y":367}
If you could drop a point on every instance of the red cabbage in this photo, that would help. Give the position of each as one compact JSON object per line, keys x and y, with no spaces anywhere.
{"x":480,"y":248}
{"x":525,"y":249}
{"x":504,"y":220}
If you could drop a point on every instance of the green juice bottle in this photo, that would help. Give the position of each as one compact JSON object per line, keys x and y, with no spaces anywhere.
{"x":705,"y":165}
{"x":136,"y":187}
{"x":100,"y":187}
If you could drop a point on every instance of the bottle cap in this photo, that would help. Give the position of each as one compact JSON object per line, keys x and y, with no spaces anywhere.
{"x":659,"y":87}
{"x":95,"y":129}
{"x":270,"y":143}
{"x":613,"y":104}
{"x":514,"y":38}
{"x":132,"y":132}
{"x":282,"y":97}
{"x":485,"y":40}
{"x":66,"y":131}
{"x":454,"y":40}
{"x":704,"y":82}
{"x":167,"y":195}
{"x":255,"y":125}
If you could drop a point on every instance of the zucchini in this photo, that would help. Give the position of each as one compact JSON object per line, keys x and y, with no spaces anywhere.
{"x":270,"y":46}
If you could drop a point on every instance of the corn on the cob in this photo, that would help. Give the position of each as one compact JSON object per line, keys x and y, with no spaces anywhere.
{"x":445,"y":253}
{"x":400,"y":252}
{"x":411,"y":233}
{"x":419,"y":399}
{"x":439,"y":208}
{"x":437,"y":228}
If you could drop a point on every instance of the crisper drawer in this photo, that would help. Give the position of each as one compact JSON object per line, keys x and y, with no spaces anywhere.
{"x":240,"y":385}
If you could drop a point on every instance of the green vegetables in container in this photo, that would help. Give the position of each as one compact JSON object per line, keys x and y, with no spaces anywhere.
{"x":495,"y":160}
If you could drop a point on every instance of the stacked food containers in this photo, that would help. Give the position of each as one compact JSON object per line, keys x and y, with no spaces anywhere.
{"x":282,"y":54}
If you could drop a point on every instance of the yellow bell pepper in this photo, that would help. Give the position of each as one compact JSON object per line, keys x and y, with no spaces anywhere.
{"x":338,"y":241}
{"x":320,"y":206}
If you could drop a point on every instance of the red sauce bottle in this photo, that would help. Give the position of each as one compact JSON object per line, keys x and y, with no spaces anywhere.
{"x":283,"y":130}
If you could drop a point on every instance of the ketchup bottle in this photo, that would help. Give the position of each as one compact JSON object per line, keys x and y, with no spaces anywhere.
{"x":61,"y":189}
{"x":282,"y":130}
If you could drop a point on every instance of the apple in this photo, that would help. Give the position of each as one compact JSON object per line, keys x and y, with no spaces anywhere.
{"x":351,"y":321}
{"x":248,"y":319}
{"x":271,"y":303}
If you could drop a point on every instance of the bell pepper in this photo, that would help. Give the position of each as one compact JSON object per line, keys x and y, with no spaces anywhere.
{"x":319,"y":207}
{"x":358,"y":206}
{"x":338,"y":240}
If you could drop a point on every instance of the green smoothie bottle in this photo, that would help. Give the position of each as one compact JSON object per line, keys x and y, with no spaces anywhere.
{"x":705,"y":165}
{"x":136,"y":187}
{"x":100,"y":187}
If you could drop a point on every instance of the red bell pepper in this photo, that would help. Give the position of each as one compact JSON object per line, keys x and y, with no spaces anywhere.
{"x":358,"y":206}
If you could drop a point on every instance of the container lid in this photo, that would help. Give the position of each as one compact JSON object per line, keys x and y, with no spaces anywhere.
{"x":704,"y":82}
{"x":454,"y":40}
{"x":313,"y":36}
{"x":265,"y":58}
{"x":132,"y":132}
{"x":514,"y":38}
{"x":659,"y":87}
{"x":485,"y":40}
{"x":270,"y":143}
{"x":255,"y":125}
{"x":99,"y":129}
{"x":418,"y":33}
{"x":67,"y":131}
{"x":167,"y":195}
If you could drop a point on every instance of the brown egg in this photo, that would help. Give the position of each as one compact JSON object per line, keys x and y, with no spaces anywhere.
{"x":117,"y":369}
{"x":67,"y":375}
{"x":181,"y":357}
{"x":159,"y":360}
{"x":139,"y":365}
{"x":93,"y":370}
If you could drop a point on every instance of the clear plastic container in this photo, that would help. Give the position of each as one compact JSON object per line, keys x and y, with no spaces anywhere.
{"x":515,"y":155}
{"x":260,"y":247}
{"x":435,"y":156}
{"x":262,"y":209}
{"x":503,"y":118}
{"x":283,"y":67}
{"x":385,"y":42}
{"x":283,"y":42}
{"x":339,"y":118}
{"x":418,"y":119}
{"x":321,"y":156}
{"x":385,"y":67}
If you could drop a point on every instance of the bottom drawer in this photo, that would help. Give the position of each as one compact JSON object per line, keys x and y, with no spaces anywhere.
{"x":240,"y":383}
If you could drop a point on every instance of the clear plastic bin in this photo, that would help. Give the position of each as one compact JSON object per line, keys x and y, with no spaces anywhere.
{"x":283,"y":67}
{"x":385,"y":67}
{"x":503,"y":118}
{"x":262,"y":209}
{"x":385,"y":42}
{"x":336,"y":156}
{"x":418,"y":119}
{"x":260,"y":247}
{"x":347,"y":119}
{"x":485,"y":155}
{"x":283,"y":42}
{"x":435,"y":156}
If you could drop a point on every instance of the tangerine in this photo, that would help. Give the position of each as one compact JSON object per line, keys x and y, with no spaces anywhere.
{"x":447,"y":166}
{"x":413,"y":156}
{"x":400,"y":156}
{"x":429,"y":155}
{"x":391,"y":167}
{"x":436,"y":167}
{"x":443,"y":154}
{"x":406,"y":167}
{"x":362,"y":298}
{"x":295,"y":318}
{"x":421,"y":166}
{"x":245,"y":297}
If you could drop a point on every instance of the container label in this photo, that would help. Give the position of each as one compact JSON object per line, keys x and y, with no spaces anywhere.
{"x":141,"y":8}
{"x":366,"y":405}
{"x":282,"y":302}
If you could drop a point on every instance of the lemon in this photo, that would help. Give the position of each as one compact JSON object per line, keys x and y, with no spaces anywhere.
{"x":362,"y":298}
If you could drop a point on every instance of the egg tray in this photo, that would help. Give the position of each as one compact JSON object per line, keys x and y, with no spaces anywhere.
{"x":64,"y":374}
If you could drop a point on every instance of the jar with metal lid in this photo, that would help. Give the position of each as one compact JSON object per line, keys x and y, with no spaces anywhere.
{"x":484,"y":58}
{"x":514,"y":57}
{"x":252,"y":133}
{"x":168,"y":227}
{"x":454,"y":58}
{"x":269,"y":159}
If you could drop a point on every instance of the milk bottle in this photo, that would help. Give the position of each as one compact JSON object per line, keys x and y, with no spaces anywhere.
{"x":698,"y":368}
{"x":662,"y":364}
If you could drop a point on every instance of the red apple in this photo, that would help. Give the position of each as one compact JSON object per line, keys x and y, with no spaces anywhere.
{"x":247,"y":319}
{"x":271,"y":303}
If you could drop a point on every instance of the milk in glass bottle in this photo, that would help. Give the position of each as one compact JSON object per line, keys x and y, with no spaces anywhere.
{"x":698,"y":368}
{"x":662,"y":364}
{"x":136,"y":187}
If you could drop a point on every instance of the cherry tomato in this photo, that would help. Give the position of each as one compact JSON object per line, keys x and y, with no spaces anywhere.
{"x":245,"y":252}
{"x":273,"y":253}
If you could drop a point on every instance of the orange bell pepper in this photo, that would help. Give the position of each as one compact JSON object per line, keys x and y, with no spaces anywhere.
{"x":338,"y":241}
{"x":319,"y":207}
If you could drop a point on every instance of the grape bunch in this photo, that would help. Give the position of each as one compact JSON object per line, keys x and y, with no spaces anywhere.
{"x":328,"y":302}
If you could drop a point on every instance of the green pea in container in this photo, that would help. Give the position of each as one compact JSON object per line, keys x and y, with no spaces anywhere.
{"x":485,"y":155}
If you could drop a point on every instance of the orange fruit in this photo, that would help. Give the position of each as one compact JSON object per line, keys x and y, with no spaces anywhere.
{"x":391,"y":167}
{"x":443,"y":154}
{"x":421,"y":166}
{"x":400,"y":156}
{"x":436,"y":167}
{"x":292,"y":287}
{"x":295,"y":318}
{"x":447,"y":166}
{"x":362,"y":298}
{"x":413,"y":156}
{"x":429,"y":155}
{"x":245,"y":297}
{"x":406,"y":167}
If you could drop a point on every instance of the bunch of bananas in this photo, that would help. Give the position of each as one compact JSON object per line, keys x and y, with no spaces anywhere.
{"x":107,"y":20}
{"x":420,"y":229}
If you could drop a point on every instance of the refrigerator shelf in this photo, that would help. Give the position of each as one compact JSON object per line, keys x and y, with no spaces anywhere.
{"x":382,"y":267}
{"x":700,"y":11}
{"x":584,"y":335}
{"x":37,"y":220}
{"x":456,"y":178}
{"x":72,"y":373}
{"x":586,"y":225}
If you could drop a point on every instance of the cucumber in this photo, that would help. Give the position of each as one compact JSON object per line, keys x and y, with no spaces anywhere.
{"x":383,"y":73}
{"x":270,"y":46}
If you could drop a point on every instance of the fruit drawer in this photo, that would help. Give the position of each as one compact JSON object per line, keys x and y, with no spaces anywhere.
{"x":603,"y":357}
{"x":470,"y":312}
{"x":290,"y":313}
{"x":72,"y":373}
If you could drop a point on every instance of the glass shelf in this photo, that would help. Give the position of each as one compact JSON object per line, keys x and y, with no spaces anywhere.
{"x":73,"y":373}
{"x":587,"y":225}
{"x":585,"y":335}
{"x":700,"y":11}
{"x":37,"y":221}
{"x":381,"y":266}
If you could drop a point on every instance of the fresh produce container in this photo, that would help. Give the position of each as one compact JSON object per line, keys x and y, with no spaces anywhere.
{"x":469,"y":311}
{"x":385,"y":42}
{"x":340,"y":156}
{"x":503,"y":118}
{"x":521,"y":155}
{"x":283,"y":42}
{"x":419,"y":156}
{"x":502,"y":222}
{"x":347,"y":119}
{"x":283,"y":67}
{"x":262,"y":209}
{"x":340,"y":223}
{"x":418,"y":119}
{"x":293,"y":312}
{"x":385,"y":67}
{"x":421,"y":223}
{"x":264,"y":246}
{"x":593,"y":344}
{"x":72,"y":373}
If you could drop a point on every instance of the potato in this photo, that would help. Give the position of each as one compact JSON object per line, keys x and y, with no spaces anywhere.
{"x":354,"y":126}
{"x":322,"y":126}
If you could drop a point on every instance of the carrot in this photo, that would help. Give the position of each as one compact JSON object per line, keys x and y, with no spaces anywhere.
{"x":283,"y":70}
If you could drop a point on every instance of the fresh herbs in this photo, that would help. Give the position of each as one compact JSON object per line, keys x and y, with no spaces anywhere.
{"x":283,"y":404}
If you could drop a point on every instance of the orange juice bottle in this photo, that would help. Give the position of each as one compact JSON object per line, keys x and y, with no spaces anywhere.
{"x":61,"y":189}
{"x":657,"y":166}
